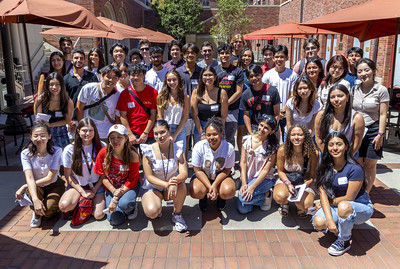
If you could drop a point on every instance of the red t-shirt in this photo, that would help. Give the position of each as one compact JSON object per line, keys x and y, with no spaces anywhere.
{"x":118,"y":175}
{"x":137,"y":116}
{"x":265,"y":68}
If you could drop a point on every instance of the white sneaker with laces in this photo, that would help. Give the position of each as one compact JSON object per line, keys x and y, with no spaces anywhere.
{"x":267,"y":202}
{"x":180,"y":224}
{"x":35,"y":223}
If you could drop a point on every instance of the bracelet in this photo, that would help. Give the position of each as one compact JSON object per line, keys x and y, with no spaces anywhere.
{"x":146,"y":133}
{"x":381,"y":134}
{"x":114,"y":201}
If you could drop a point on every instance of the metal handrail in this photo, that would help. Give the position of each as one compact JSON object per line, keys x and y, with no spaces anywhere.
{"x":37,"y":51}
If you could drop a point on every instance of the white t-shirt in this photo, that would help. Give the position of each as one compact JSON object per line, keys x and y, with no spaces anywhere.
{"x":89,"y":152}
{"x":170,"y":166}
{"x":284,"y":82}
{"x":156,"y":78}
{"x":297,"y":119}
{"x":212,"y":162}
{"x":89,"y":94}
{"x":41,"y":166}
{"x":323,"y":90}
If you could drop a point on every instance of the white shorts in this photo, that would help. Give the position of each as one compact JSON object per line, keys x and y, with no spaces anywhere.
{"x":189,"y":127}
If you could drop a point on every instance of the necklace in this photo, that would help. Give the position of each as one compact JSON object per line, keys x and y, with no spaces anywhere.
{"x":165,"y":170}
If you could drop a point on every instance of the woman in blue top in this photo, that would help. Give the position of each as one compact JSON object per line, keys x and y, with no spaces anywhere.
{"x":344,"y":200}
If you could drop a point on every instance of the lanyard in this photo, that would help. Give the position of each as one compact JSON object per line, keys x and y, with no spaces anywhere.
{"x":162,"y":160}
{"x":91,"y":160}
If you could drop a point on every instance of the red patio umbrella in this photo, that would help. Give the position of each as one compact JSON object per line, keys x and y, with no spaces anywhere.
{"x":373,"y":19}
{"x":155,"y":36}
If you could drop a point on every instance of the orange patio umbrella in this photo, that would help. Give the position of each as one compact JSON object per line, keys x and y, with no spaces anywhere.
{"x":373,"y":19}
{"x":118,"y":31}
{"x":155,"y":36}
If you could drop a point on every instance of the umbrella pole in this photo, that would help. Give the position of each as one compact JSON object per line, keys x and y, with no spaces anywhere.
{"x":291,"y":52}
{"x":394,"y":57}
{"x":28,"y":55}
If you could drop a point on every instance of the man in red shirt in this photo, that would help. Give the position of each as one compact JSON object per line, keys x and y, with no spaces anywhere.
{"x":137,"y":106}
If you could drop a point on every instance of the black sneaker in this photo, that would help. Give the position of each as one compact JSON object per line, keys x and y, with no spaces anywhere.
{"x":221,"y":203}
{"x":339,"y":247}
{"x":203,"y":204}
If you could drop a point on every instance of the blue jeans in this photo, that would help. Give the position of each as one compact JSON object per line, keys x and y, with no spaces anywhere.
{"x":363,"y":210}
{"x":196,"y":133}
{"x":245,"y":207}
{"x":126,"y":205}
{"x":181,"y":136}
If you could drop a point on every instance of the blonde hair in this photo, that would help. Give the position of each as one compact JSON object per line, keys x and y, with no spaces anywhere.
{"x":163,"y":96}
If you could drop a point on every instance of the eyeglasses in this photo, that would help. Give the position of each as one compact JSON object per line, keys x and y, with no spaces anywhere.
{"x":146,"y":48}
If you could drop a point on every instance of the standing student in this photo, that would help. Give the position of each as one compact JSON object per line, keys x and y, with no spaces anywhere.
{"x":66,"y":47}
{"x":207,"y":100}
{"x":118,"y":168}
{"x":237,"y":43}
{"x":55,"y":102}
{"x":297,"y":161}
{"x":207,"y":50}
{"x":95,"y":62}
{"x":144,"y":48}
{"x":354,"y":54}
{"x":303,"y":107}
{"x":283,"y":79}
{"x":165,"y":171}
{"x":118,"y":51}
{"x":40,"y":162}
{"x":256,"y":167}
{"x":213,"y":159}
{"x":344,"y":199}
{"x":155,"y":76}
{"x":371,"y":100}
{"x":311,"y":48}
{"x":173,"y":106}
{"x":268,"y":56}
{"x":78,"y":162}
{"x":337,"y":69}
{"x":98,"y":101}
{"x":123,"y":82}
{"x":137,"y":106}
{"x":258,"y":100}
{"x":175,"y":50}
{"x":135,"y":56}
{"x":57,"y":64}
{"x":231,"y":80}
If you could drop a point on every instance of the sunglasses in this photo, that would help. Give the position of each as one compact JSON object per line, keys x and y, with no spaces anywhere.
{"x":144,"y":48}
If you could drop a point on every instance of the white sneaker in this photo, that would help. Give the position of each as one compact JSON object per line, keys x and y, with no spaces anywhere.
{"x":267,"y":202}
{"x":180,"y":224}
{"x":35,"y":223}
{"x":134,"y":214}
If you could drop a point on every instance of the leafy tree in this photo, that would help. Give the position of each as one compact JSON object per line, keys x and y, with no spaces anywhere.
{"x":231,"y":19}
{"x":179,"y":17}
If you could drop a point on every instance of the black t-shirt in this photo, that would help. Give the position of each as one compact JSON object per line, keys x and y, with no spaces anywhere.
{"x":189,"y":83}
{"x":74,"y":86}
{"x":259,"y":102}
{"x":229,"y":78}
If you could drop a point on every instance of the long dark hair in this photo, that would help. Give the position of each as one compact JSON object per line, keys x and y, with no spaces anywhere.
{"x":308,"y":144}
{"x":327,"y":116}
{"x":32,"y":147}
{"x":46,"y":95}
{"x":201,"y":89}
{"x":325,"y":171}
{"x":240,"y":61}
{"x":77,"y":153}
{"x":320,"y":66}
{"x":336,"y":59}
{"x":297,"y":98}
{"x":101,"y":59}
{"x":273,"y":144}
{"x":57,"y":53}
{"x":163,"y":96}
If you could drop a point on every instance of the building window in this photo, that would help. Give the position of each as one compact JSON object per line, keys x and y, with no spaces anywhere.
{"x":206,"y":3}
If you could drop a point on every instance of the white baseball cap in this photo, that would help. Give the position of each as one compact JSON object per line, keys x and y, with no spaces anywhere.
{"x":119,"y":128}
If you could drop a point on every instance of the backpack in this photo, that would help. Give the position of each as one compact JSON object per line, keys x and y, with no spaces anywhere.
{"x":82,"y":211}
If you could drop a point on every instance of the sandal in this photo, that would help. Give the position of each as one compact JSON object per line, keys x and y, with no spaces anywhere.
{"x":301,"y":213}
{"x":284,"y":210}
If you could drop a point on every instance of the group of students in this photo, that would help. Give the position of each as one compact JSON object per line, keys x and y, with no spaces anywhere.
{"x":333,"y":136}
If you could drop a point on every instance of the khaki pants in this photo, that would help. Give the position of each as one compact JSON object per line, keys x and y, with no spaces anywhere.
{"x":50,"y":196}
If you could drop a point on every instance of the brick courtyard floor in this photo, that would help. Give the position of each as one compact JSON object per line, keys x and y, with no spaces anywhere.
{"x":212,"y":247}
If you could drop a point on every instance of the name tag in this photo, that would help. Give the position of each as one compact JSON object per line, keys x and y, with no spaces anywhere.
{"x":342,"y":180}
{"x":194,"y":81}
{"x":370,"y":100}
{"x":122,"y":168}
{"x":131,"y":105}
{"x":231,"y":78}
{"x":58,"y":114}
{"x":214,"y":108}
{"x":266,"y":98}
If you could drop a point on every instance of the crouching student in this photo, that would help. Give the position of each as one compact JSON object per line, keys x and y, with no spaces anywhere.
{"x":118,"y":167}
{"x":41,"y":161}
{"x":78,"y":161}
{"x":256,"y":167}
{"x":165,"y":172}
{"x":297,"y":161}
{"x":344,"y":201}
{"x":213,"y":159}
